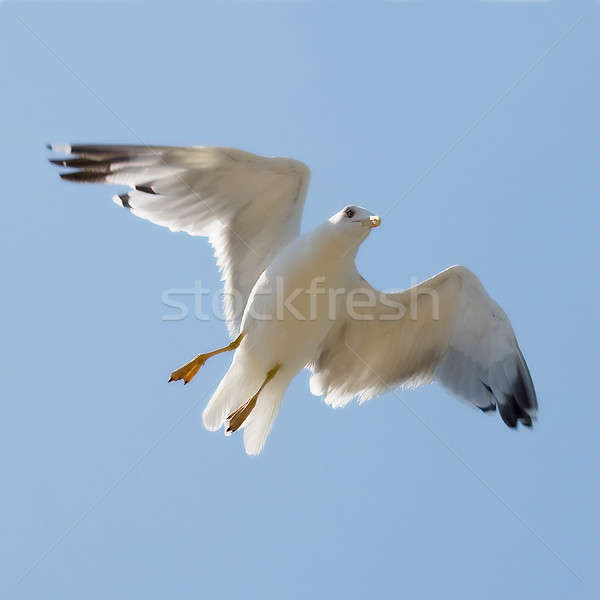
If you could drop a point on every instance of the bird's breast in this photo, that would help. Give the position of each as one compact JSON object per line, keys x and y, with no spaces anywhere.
{"x":295,"y":301}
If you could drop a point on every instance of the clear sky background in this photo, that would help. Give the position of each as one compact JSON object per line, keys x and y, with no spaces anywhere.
{"x":472,"y":128}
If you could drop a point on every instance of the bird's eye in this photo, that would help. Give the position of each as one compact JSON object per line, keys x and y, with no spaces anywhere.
{"x":349,"y":213}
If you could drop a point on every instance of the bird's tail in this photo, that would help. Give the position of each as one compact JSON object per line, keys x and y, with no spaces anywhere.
{"x":236,"y":388}
{"x":258,"y":425}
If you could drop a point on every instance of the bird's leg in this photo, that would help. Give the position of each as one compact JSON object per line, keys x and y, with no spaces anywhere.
{"x":187,"y":371}
{"x":237,"y":417}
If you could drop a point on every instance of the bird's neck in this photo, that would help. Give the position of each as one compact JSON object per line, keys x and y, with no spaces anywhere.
{"x":335,"y":243}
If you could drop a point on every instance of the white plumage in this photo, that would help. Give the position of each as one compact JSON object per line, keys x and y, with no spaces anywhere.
{"x":357,"y":341}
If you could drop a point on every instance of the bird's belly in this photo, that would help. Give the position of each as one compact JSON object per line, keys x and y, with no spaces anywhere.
{"x":287,"y":318}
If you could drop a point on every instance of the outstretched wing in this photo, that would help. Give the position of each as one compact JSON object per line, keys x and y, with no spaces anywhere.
{"x":248,"y":206}
{"x":446,"y":329}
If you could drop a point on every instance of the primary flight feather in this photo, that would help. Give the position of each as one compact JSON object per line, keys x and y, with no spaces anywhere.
{"x":295,"y":302}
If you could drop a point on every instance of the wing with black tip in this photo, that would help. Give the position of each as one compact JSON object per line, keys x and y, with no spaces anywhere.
{"x":446,"y":329}
{"x":247,"y":205}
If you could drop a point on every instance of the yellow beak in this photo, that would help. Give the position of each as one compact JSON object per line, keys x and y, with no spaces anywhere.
{"x":375,"y":221}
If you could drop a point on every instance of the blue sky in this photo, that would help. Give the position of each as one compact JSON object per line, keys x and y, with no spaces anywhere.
{"x":472,"y":127}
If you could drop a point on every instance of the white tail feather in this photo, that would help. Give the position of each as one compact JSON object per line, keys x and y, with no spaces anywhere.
{"x":240,"y":383}
{"x":235,"y":388}
{"x":258,"y":425}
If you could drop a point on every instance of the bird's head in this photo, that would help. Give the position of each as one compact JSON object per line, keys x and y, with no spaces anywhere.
{"x":354,"y":222}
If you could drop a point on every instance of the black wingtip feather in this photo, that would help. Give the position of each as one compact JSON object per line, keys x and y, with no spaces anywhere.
{"x":524,"y":397}
{"x":124,"y":198}
{"x":86,"y":176}
{"x":82,"y":163}
{"x":507,"y":412}
{"x":145,"y":188}
{"x":512,"y":413}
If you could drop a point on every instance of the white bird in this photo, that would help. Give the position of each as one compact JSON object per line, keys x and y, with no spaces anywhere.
{"x":301,"y":302}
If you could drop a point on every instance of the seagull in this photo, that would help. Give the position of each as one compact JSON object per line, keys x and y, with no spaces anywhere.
{"x":298,"y":301}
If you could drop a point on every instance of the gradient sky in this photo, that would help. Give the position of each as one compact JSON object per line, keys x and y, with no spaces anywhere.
{"x":472,"y":129}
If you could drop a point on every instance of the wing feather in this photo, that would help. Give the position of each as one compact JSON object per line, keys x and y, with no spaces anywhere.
{"x":248,"y":206}
{"x":446,"y":329}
